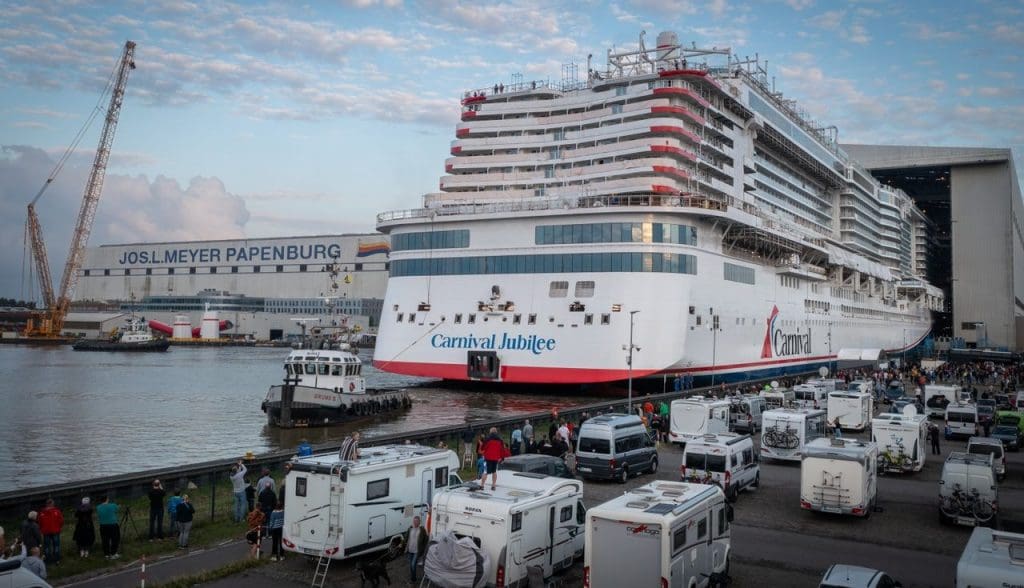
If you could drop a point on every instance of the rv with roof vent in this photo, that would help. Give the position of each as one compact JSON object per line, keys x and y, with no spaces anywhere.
{"x":528,"y":521}
{"x":991,"y":558}
{"x":852,"y":408}
{"x":902,"y":441}
{"x":670,"y":533}
{"x":338,"y":509}
{"x":787,"y":430}
{"x":692,"y":418}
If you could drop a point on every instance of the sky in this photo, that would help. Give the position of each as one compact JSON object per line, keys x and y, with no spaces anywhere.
{"x":261,"y":119}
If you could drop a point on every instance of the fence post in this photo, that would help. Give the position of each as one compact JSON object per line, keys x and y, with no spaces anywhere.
{"x":213,"y":496}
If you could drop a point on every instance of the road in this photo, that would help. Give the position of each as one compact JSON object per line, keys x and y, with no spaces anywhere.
{"x":774,"y":542}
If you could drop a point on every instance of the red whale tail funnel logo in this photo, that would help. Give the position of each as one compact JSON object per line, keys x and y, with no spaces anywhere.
{"x":766,"y":347}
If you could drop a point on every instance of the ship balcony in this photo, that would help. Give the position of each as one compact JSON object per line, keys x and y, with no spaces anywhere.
{"x":680,"y":111}
{"x":582,"y":158}
{"x":579,"y":175}
{"x":681,"y":92}
{"x":805,"y":271}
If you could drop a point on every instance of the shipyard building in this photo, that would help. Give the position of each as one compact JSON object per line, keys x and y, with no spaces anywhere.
{"x":260,"y":285}
{"x":972,"y":199}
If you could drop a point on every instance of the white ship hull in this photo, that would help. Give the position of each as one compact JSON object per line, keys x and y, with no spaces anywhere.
{"x":587,"y":346}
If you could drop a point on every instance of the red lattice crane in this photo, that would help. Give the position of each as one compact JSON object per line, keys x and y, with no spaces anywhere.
{"x":51,"y":321}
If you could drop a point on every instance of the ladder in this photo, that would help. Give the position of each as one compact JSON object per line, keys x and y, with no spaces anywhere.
{"x":323,"y":563}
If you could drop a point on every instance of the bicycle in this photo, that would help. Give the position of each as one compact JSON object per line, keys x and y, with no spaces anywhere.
{"x":960,"y":503}
{"x":787,"y":439}
{"x":895,"y":458}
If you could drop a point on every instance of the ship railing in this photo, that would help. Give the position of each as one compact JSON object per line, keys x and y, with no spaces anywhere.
{"x":458,"y":208}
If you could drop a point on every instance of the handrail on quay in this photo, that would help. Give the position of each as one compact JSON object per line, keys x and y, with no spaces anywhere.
{"x":14,"y":504}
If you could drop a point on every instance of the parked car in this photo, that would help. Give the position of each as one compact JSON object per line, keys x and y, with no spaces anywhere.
{"x":1009,"y":435}
{"x":986,"y":413}
{"x":894,"y":391}
{"x":897,"y":406}
{"x":844,"y":576}
{"x":1003,"y":402}
{"x":987,"y":402}
{"x":535,"y":463}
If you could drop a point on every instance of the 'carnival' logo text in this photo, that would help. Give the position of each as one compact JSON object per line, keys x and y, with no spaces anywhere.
{"x":531,"y":343}
{"x":782,"y":344}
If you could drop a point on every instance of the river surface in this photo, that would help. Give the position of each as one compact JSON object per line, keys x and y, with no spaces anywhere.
{"x":67,"y":415}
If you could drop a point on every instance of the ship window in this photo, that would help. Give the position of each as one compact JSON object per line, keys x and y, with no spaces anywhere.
{"x":516,"y":319}
{"x":458,"y":318}
{"x":401,"y":316}
{"x":86,"y":273}
{"x":588,"y":319}
{"x":412,"y":317}
{"x":698,"y":320}
{"x":606,"y":319}
{"x":585,"y":289}
{"x":336,"y":370}
{"x":127,"y":272}
{"x":170,"y":271}
{"x":280,"y":269}
{"x":311,"y":369}
{"x":213,"y":270}
{"x":255,"y":269}
{"x":322,"y":369}
{"x":191,"y":270}
{"x":378,"y":489}
{"x":558,"y":289}
{"x":739,"y":273}
{"x":106,"y":272}
{"x":472,"y":319}
{"x":531,"y":320}
{"x":302,"y":268}
{"x":359,"y":267}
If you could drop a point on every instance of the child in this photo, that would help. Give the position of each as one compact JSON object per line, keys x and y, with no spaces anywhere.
{"x":255,"y":531}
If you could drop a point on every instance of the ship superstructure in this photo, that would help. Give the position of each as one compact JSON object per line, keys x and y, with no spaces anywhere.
{"x":672,"y":196}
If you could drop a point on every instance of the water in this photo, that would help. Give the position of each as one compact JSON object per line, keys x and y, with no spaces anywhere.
{"x":67,"y":415}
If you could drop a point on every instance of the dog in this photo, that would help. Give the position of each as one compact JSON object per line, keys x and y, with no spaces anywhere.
{"x":372,"y":572}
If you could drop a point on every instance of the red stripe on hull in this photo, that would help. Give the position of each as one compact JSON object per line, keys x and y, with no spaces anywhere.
{"x":526,"y":375}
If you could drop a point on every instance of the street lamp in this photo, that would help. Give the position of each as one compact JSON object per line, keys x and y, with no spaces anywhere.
{"x":629,"y":361}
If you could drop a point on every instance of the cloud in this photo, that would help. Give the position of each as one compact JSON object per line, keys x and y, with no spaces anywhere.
{"x":926,"y":32}
{"x":131,"y":209}
{"x":30,"y":124}
{"x":856,"y":33}
{"x":827,"y":20}
{"x":1009,"y":33}
{"x":799,"y":5}
{"x":622,"y":15}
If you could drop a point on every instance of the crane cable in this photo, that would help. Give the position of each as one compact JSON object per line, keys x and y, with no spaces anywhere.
{"x":79,"y":136}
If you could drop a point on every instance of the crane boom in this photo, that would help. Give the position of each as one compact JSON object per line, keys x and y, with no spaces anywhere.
{"x":35,"y":234}
{"x":58,"y":308}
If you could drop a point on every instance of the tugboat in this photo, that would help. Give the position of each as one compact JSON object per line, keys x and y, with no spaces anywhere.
{"x":323,"y":382}
{"x":135,"y":336}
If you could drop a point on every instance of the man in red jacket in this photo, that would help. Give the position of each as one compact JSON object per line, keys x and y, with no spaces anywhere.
{"x":51,"y":521}
{"x":494,"y":450}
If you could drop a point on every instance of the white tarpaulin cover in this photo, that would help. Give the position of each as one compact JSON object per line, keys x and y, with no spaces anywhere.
{"x":870,"y":354}
{"x":456,"y":563}
{"x":848,"y":354}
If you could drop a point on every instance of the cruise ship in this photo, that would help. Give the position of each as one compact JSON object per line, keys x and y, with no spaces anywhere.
{"x":668,"y":214}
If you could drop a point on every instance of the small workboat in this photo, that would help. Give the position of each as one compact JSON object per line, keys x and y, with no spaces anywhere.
{"x":135,"y":336}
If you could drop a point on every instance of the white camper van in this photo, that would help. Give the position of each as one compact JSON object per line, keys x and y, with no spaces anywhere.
{"x":343,"y":508}
{"x":962,"y":419}
{"x":902,"y":441}
{"x":968,"y":494}
{"x":778,"y":398}
{"x":692,"y":418}
{"x":810,"y":395}
{"x":661,"y":534}
{"x":745,"y":413}
{"x":787,"y":430}
{"x":839,"y":476}
{"x":852,"y":408}
{"x":991,"y":558}
{"x":937,"y":397}
{"x":530,"y":520}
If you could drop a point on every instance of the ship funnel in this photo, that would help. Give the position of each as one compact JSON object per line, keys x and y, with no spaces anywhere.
{"x":668,"y":46}
{"x":182,"y":327}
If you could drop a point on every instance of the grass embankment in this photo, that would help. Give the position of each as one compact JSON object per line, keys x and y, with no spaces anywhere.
{"x":206,"y":531}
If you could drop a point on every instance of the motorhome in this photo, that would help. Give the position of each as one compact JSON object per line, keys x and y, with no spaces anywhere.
{"x":829,"y":384}
{"x":338,"y":508}
{"x":670,"y":533}
{"x":726,"y":459}
{"x":983,"y":445}
{"x":809,"y":396}
{"x":528,"y":520}
{"x":968,"y":493}
{"x":937,"y":397}
{"x":852,"y":408}
{"x":902,"y":441}
{"x":778,"y":398}
{"x":962,"y":419}
{"x":839,"y":476}
{"x":615,"y":447}
{"x":787,"y":430}
{"x":745,"y":413}
{"x":695,"y":417}
{"x":991,"y":558}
